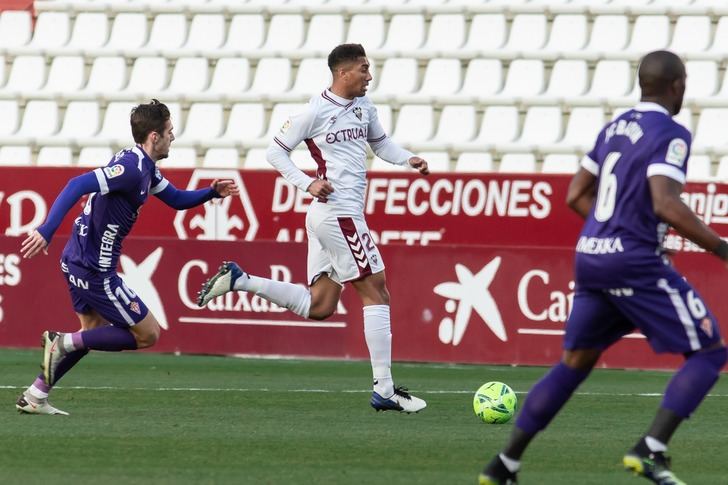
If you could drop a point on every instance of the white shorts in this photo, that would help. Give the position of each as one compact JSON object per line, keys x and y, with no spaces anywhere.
{"x":339,"y":246}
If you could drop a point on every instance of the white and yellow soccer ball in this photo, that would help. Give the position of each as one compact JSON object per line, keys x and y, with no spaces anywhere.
{"x":495,"y":402}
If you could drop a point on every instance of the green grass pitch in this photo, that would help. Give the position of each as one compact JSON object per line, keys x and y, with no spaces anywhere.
{"x":164,"y":419}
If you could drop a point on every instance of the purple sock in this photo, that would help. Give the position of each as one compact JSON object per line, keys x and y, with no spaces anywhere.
{"x":691,"y":383}
{"x":109,"y":338}
{"x":547,"y":397}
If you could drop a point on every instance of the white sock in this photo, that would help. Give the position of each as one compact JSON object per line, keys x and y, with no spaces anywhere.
{"x":378,"y":334}
{"x":37,"y":393}
{"x":512,"y":465}
{"x":67,"y":343}
{"x":296,"y":298}
{"x":655,"y":445}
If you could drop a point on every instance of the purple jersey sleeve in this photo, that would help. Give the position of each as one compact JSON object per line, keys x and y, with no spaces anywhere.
{"x":671,"y":155}
{"x":121,"y":175}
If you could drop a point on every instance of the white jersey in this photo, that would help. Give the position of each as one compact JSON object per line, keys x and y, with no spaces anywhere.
{"x":336,"y":131}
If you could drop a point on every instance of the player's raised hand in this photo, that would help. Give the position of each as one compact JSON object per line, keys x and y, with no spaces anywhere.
{"x":320,"y":188}
{"x":225,"y":187}
{"x":34,"y":244}
{"x":420,"y":164}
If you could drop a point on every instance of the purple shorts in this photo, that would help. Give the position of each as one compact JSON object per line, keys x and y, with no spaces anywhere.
{"x":104,"y":292}
{"x":667,"y":310}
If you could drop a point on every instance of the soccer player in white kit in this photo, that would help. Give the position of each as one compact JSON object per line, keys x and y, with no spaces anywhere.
{"x":336,"y":125}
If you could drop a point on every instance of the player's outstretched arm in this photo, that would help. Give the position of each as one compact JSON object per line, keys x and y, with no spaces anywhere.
{"x":186,"y":199}
{"x":670,"y":208}
{"x":581,"y":193}
{"x":39,"y":239}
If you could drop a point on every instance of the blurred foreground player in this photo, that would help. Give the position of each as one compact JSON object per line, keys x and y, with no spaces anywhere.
{"x":336,"y":125}
{"x":628,"y":190}
{"x":112,"y":316}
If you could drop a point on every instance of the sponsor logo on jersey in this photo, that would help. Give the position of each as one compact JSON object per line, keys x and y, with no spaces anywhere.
{"x":677,"y":151}
{"x":599,"y":245}
{"x":114,"y":171}
{"x":347,"y":134}
{"x":106,"y":250}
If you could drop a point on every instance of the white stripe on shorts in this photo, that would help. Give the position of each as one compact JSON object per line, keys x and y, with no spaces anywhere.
{"x":116,"y":303}
{"x":682,"y":313}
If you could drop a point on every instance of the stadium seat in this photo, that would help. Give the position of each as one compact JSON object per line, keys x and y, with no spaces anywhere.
{"x":52,"y":29}
{"x":81,"y":121}
{"x":148,"y":75}
{"x":405,"y":32}
{"x":568,"y":33}
{"x":699,"y":168}
{"x":245,"y":124}
{"x":560,"y":163}
{"x":457,"y":125}
{"x":487,"y":31}
{"x":542,"y":125}
{"x":66,"y":75}
{"x":204,"y":122}
{"x":9,"y":119}
{"x":583,"y":127}
{"x":474,"y":162}
{"x":685,"y":118}
{"x":94,"y":156}
{"x":15,"y":155}
{"x":190,"y":75}
{"x":272,"y":76}
{"x":312,"y":78}
{"x":447,"y":31}
{"x":568,"y":78}
{"x":247,"y":32}
{"x":710,"y":130}
{"x":207,"y":32}
{"x":115,"y":128}
{"x":180,"y":157}
{"x":221,"y":158}
{"x":366,"y":29}
{"x":379,"y":165}
{"x":90,"y":31}
{"x":611,"y":79}
{"x":499,"y":125}
{"x":609,"y":33}
{"x":108,"y":74}
{"x":27,"y":74}
{"x":40,"y":119}
{"x":517,"y":163}
{"x":399,"y":76}
{"x":525,"y":78}
{"x":528,"y":32}
{"x":483,"y":77}
{"x":437,"y":162}
{"x":255,"y":160}
{"x":414,"y":124}
{"x":691,"y":34}
{"x":722,"y":173}
{"x":324,"y":31}
{"x":650,"y":32}
{"x":442,"y":77}
{"x":15,"y":28}
{"x":702,"y":79}
{"x":278,"y":116}
{"x":285,"y":32}
{"x":169,"y":31}
{"x":128,"y":32}
{"x":384,"y":114}
{"x":231,"y":76}
{"x":55,"y":157}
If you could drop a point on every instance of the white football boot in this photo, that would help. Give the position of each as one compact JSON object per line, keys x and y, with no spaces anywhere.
{"x":221,"y":283}
{"x":28,"y":404}
{"x":401,"y":401}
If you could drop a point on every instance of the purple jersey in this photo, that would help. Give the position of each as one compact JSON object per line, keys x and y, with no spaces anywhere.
{"x":621,"y":241}
{"x":109,"y":214}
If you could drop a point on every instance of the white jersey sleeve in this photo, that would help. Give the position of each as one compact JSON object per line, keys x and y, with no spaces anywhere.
{"x":296,"y":129}
{"x":382,"y":145}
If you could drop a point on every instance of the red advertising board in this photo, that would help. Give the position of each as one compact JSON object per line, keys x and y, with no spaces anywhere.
{"x":487,"y":304}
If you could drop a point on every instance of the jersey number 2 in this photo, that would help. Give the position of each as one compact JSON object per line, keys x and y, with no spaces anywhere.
{"x":607,"y":193}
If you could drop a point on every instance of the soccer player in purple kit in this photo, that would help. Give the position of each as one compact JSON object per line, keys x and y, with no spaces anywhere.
{"x":628,"y":190}
{"x":112,"y":316}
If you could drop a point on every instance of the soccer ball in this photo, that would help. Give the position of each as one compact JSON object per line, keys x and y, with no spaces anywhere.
{"x":495,"y":402}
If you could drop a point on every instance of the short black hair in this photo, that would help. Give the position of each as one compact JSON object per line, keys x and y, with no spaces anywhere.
{"x":345,"y":53}
{"x":658,"y":70}
{"x":148,"y":118}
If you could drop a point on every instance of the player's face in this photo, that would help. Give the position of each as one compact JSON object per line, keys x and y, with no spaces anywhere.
{"x":679,"y":88}
{"x":163,"y":140}
{"x":357,"y":77}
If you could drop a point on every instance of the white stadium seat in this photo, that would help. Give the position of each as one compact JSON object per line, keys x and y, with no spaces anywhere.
{"x":15,"y":28}
{"x":190,"y":75}
{"x":568,"y":78}
{"x":447,"y":31}
{"x":94,"y":156}
{"x":285,"y":32}
{"x":487,"y":31}
{"x":650,"y":32}
{"x":27,"y":74}
{"x":560,"y":163}
{"x":247,"y":32}
{"x":483,"y":77}
{"x":611,"y":79}
{"x":272,"y":76}
{"x":169,"y":31}
{"x":414,"y":124}
{"x":221,"y":158}
{"x":313,"y":77}
{"x":499,"y":125}
{"x":442,"y":77}
{"x":10,"y":119}
{"x":699,"y":168}
{"x":128,"y":32}
{"x":437,"y":162}
{"x":231,"y":75}
{"x":525,"y":78}
{"x":245,"y":123}
{"x":55,"y":157}
{"x":324,"y":32}
{"x":279,"y":115}
{"x":702,"y":78}
{"x":116,"y":122}
{"x":52,"y":29}
{"x":528,"y":32}
{"x":568,"y":33}
{"x":583,"y":127}
{"x":90,"y":30}
{"x":207,"y":31}
{"x":107,"y":74}
{"x":40,"y":118}
{"x":15,"y":155}
{"x":517,"y":163}
{"x":379,"y":165}
{"x":180,"y":157}
{"x":692,"y":34}
{"x":66,"y":74}
{"x":366,"y":29}
{"x":82,"y":120}
{"x":399,"y":76}
{"x":542,"y":125}
{"x":609,"y":33}
{"x":405,"y":32}
{"x":148,"y":75}
{"x":722,"y":173}
{"x":457,"y":125}
{"x":204,"y":122}
{"x":685,"y":118}
{"x":710,"y":131}
{"x":474,"y":162}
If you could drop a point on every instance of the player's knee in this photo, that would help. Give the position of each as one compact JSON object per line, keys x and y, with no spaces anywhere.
{"x":320,"y":313}
{"x":716,"y":358}
{"x":147,"y":339}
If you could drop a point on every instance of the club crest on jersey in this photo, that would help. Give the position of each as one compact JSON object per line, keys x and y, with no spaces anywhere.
{"x":677,"y":151}
{"x":357,"y":112}
{"x":135,"y":308}
{"x":113,"y":171}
